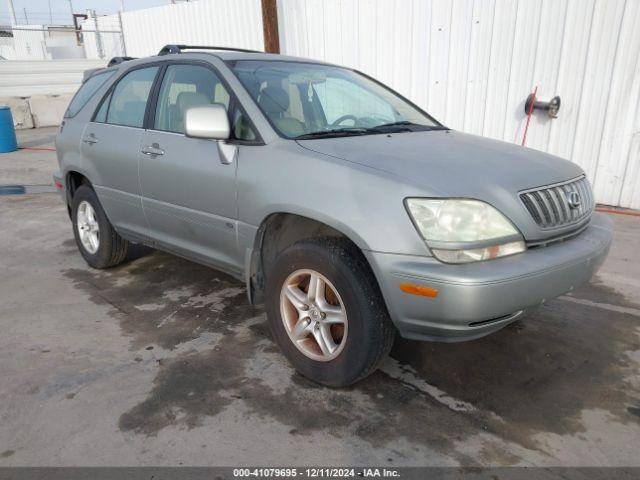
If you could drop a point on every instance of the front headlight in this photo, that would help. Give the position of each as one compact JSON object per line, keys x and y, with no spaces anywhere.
{"x":461,"y":230}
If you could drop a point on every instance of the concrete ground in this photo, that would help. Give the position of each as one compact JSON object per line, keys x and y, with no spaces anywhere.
{"x":162,"y":362}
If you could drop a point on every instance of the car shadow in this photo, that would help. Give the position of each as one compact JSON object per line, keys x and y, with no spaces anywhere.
{"x":536,"y":375}
{"x":543,"y":371}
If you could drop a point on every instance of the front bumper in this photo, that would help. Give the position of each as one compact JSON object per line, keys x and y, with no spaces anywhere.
{"x":479,"y":298}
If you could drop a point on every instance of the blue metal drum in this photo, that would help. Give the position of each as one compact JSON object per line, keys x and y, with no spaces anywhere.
{"x":8,"y":142}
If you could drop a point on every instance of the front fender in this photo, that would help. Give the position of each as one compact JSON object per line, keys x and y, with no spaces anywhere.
{"x":364,"y":204}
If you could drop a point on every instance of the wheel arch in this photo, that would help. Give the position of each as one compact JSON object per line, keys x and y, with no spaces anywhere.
{"x":73,"y":179}
{"x":278,"y":231}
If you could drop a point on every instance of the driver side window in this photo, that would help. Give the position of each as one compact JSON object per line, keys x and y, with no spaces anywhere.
{"x":341,"y":98}
{"x":185,"y":86}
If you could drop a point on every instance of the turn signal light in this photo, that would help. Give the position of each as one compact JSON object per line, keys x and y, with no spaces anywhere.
{"x":421,"y":290}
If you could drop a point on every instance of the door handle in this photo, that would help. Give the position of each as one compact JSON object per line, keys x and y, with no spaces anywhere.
{"x":153,"y":150}
{"x":90,"y":139}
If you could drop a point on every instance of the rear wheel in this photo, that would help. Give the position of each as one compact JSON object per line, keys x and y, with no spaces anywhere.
{"x":326,"y":312}
{"x":97,"y":240}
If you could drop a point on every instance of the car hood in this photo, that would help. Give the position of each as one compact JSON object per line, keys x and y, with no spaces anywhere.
{"x":450,"y":163}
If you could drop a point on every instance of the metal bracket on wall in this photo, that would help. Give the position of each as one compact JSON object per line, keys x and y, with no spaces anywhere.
{"x":552,"y":106}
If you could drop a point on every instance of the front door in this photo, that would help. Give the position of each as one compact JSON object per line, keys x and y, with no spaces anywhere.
{"x":189,"y":195}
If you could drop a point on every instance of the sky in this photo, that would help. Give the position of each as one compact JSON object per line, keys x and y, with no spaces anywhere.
{"x":38,"y":10}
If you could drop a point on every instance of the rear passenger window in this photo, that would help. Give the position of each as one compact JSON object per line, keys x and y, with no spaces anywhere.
{"x":86,"y":91}
{"x":129,"y":99}
{"x":183,"y":87}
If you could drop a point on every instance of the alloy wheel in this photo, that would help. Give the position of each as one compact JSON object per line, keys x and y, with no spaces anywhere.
{"x":88,"y":228}
{"x":313,"y":315}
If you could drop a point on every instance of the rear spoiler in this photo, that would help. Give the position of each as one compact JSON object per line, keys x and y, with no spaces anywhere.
{"x":112,"y":62}
{"x":90,"y":72}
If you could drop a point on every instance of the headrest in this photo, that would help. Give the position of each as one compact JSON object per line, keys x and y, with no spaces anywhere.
{"x":274,"y":99}
{"x":191,"y":99}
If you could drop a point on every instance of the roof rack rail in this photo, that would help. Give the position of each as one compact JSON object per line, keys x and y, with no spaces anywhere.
{"x":168,"y":49}
{"x":119,"y":60}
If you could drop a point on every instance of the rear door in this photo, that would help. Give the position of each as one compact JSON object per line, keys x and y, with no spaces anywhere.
{"x":189,"y":195}
{"x":111,"y":149}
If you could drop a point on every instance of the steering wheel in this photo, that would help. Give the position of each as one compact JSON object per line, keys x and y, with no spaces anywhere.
{"x":343,"y":118}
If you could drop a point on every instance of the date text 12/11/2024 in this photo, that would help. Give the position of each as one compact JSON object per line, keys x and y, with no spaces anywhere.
{"x":325,"y":472}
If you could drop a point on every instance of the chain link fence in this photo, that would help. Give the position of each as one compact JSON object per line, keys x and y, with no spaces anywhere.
{"x":96,"y":39}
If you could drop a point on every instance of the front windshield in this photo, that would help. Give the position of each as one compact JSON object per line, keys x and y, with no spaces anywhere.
{"x":304,"y":99}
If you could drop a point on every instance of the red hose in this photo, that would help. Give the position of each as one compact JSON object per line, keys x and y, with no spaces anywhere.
{"x":43,"y":149}
{"x":526,"y":128}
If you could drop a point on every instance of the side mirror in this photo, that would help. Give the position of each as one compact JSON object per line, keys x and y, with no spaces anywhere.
{"x":207,"y":121}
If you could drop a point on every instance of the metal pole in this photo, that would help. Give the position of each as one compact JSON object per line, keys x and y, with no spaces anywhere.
{"x":124,"y":43}
{"x":122,"y":5}
{"x":99,"y":46}
{"x":71,"y":8}
{"x":12,"y":12}
{"x":26,"y":19}
{"x":50,"y":14}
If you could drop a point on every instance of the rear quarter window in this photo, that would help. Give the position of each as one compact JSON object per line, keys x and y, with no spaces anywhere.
{"x":86,"y":91}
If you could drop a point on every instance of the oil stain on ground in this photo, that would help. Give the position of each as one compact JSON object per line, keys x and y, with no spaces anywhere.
{"x":535,"y":376}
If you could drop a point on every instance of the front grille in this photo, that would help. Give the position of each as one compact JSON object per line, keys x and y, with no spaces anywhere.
{"x":550,"y":206}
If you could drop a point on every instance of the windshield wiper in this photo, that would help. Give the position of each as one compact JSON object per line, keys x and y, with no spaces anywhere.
{"x":339,"y":132}
{"x":405,"y":123}
{"x":401,"y":126}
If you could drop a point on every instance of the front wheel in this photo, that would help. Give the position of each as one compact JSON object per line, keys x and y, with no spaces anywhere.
{"x":326,"y":312}
{"x":97,"y":240}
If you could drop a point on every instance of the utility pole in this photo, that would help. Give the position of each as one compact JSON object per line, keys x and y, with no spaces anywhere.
{"x":12,"y":12}
{"x":270,"y":26}
{"x":122,"y":5}
{"x":50,"y":14}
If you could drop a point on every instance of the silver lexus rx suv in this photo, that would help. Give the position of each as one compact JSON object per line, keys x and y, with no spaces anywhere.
{"x":345,"y":208}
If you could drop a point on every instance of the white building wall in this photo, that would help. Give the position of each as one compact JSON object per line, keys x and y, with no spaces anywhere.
{"x":26,"y":44}
{"x":472,"y":63}
{"x":235,"y":23}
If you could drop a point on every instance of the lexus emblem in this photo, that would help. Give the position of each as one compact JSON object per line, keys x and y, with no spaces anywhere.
{"x":573,"y":199}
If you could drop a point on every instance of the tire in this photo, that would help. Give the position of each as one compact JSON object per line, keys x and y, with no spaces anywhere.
{"x":367,"y":334}
{"x":111,"y":248}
